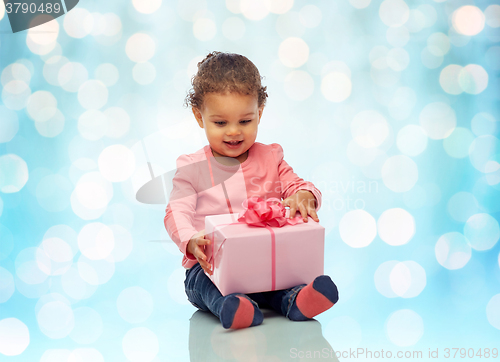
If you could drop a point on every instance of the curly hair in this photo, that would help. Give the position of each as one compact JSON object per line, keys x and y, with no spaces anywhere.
{"x":225,"y":72}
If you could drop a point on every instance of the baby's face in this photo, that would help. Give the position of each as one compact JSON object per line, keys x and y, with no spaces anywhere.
{"x":229,"y":117}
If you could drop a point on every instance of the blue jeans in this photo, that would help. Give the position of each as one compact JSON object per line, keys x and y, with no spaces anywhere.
{"x":204,"y":295}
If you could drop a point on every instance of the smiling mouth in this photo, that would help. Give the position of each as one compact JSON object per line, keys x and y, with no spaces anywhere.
{"x":233,"y":143}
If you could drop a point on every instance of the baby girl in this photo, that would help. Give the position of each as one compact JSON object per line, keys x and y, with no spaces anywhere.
{"x":227,"y":100}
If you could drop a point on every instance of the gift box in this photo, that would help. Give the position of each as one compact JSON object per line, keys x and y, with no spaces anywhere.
{"x":249,"y":258}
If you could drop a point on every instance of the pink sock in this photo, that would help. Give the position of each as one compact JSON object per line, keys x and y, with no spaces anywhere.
{"x":243,"y":316}
{"x":311,"y":301}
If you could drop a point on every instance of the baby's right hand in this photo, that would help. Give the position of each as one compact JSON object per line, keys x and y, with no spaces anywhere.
{"x":195,"y":247}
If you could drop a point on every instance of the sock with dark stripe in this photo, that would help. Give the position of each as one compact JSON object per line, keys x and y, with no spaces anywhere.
{"x":315,"y":298}
{"x":239,"y":312}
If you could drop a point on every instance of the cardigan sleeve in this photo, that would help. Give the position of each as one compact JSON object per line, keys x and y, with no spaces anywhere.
{"x":290,"y":182}
{"x":181,"y":208}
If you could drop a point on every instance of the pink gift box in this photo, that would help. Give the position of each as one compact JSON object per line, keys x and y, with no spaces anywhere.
{"x":245,"y":259}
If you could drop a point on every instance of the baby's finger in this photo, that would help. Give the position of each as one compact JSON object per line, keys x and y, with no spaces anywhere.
{"x":303,"y":212}
{"x":198,"y":253}
{"x":201,"y":241}
{"x":313,"y":214}
{"x":206,"y":266}
{"x":293,"y":210}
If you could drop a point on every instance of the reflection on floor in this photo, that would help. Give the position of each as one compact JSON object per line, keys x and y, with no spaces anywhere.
{"x":276,"y":339}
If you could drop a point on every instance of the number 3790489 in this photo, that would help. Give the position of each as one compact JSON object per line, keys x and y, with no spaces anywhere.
{"x":32,"y":8}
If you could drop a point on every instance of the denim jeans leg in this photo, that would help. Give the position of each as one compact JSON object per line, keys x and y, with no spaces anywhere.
{"x":201,"y":292}
{"x":279,"y":300}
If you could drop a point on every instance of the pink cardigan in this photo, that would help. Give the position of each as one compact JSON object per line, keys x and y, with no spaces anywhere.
{"x":202,"y":186}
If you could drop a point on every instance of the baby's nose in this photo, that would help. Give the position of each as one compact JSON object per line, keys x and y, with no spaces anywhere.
{"x":233,"y":130}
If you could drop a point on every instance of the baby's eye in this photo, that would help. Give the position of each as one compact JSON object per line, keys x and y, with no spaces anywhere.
{"x":220,"y":123}
{"x":246,"y":121}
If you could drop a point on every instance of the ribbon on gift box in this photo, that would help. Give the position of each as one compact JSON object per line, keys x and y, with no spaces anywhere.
{"x":258,"y":212}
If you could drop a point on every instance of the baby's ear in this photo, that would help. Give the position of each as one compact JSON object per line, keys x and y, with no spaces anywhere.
{"x":197,"y":115}
{"x":261,"y":109}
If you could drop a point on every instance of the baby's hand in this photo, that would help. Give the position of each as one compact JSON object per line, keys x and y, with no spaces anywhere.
{"x":195,"y":247}
{"x":304,"y":201}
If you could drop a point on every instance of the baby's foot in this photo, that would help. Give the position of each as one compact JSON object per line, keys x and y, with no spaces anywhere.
{"x":239,"y":312}
{"x":315,"y":298}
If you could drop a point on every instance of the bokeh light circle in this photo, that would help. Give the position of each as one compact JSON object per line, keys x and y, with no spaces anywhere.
{"x":448,"y":79}
{"x":27,"y":266}
{"x":398,"y":37}
{"x":482,"y":151}
{"x":369,"y":129}
{"x":55,"y":319}
{"x":140,"y":345}
{"x":430,"y":60}
{"x":468,"y":20}
{"x":473,"y":79}
{"x":116,"y":163}
{"x":93,"y":94}
{"x":254,"y":9}
{"x":438,"y":120}
{"x":88,"y":326}
{"x":399,"y":173}
{"x":135,"y":304}
{"x":7,"y":286}
{"x":78,"y":23}
{"x":336,"y":87}
{"x":9,"y":124}
{"x":381,"y":278}
{"x":404,"y":327}
{"x":85,"y":355}
{"x":411,"y":140}
{"x":14,"y":337}
{"x":493,"y":311}
{"x":14,"y":173}
{"x":299,"y":85}
{"x":15,"y":94}
{"x":146,"y":6}
{"x":402,"y":103}
{"x":453,"y":250}
{"x":357,"y":228}
{"x":311,"y":16}
{"x":118,"y":122}
{"x":492,"y":15}
{"x":438,"y":44}
{"x":462,"y":205}
{"x":96,"y":241}
{"x":394,"y":13}
{"x":293,"y":52}
{"x":398,"y":59}
{"x":407,"y":279}
{"x":482,"y":231}
{"x":140,"y":47}
{"x":72,"y":75}
{"x":204,"y":29}
{"x":54,"y":256}
{"x":96,"y":272}
{"x":93,"y":124}
{"x":457,"y":144}
{"x":396,"y":226}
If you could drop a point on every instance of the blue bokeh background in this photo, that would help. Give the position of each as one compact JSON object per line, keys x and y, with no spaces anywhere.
{"x":390,"y":108}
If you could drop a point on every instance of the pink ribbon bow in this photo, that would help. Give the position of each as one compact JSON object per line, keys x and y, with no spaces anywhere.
{"x":269,"y":212}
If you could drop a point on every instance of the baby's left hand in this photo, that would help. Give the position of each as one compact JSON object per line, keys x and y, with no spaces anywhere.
{"x":305,"y":202}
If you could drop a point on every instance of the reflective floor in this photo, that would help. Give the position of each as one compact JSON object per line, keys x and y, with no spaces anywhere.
{"x":276,"y":339}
